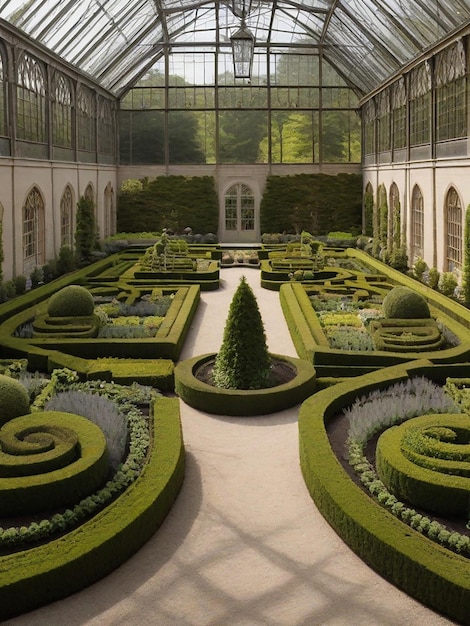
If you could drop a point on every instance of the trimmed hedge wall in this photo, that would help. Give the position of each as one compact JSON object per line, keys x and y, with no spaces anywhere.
{"x":41,"y":575}
{"x":317,"y":203}
{"x":425,"y":570}
{"x":312,"y":344}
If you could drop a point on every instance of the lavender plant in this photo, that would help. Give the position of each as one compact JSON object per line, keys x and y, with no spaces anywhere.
{"x":102,"y":412}
{"x":385,"y":407}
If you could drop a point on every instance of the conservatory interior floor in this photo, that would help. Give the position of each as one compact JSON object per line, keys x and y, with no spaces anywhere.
{"x":244,"y":544}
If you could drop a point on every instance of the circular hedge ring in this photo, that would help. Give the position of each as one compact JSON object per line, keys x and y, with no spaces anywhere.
{"x":243,"y":402}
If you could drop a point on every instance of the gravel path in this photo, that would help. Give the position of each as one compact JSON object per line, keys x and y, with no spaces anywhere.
{"x":244,"y":544}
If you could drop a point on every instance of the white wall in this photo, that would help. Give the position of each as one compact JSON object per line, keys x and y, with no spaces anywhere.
{"x":18,"y":176}
{"x":434,"y":180}
{"x":253,"y":175}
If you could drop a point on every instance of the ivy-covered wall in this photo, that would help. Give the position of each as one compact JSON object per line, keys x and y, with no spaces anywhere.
{"x":317,"y":203}
{"x":173,"y":202}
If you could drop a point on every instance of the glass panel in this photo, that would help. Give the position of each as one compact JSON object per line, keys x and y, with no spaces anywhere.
{"x":294,"y":137}
{"x":247,"y":208}
{"x":183,"y":138}
{"x":142,"y":137}
{"x":341,"y":137}
{"x":240,"y":136}
{"x":62,"y":111}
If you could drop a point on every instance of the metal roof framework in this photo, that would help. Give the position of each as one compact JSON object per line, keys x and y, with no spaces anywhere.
{"x":117,"y":41}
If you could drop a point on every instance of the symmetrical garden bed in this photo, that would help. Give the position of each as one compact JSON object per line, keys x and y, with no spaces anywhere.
{"x":406,"y":545}
{"x":28,"y":331}
{"x":347,"y":337}
{"x":65,"y":523}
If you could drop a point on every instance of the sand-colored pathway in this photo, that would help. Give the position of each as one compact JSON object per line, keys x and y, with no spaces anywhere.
{"x":244,"y":544}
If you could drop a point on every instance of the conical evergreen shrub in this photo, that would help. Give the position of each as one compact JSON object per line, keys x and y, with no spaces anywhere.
{"x":243,"y":361}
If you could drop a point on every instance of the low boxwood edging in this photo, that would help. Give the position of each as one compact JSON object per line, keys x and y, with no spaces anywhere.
{"x":423,"y":569}
{"x":243,"y":402}
{"x":32,"y":578}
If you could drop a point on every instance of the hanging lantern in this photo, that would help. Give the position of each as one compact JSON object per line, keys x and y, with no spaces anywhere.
{"x":243,"y":46}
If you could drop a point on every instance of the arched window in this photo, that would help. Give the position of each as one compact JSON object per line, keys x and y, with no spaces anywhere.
{"x":86,"y":115}
{"x":239,"y":208}
{"x":62,"y":111}
{"x":394,"y":218}
{"x":33,"y":231}
{"x":417,"y":224}
{"x":454,"y":230}
{"x":31,"y":100}
{"x":109,"y":213}
{"x":66,"y":218}
{"x":90,"y":193}
{"x":105,"y":127}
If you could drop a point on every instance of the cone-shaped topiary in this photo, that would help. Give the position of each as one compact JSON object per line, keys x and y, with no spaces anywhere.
{"x":243,"y":361}
{"x":404,"y":303}
{"x":14,"y":399}
{"x":71,"y":301}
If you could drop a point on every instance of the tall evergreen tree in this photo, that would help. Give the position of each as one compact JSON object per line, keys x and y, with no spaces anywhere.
{"x":243,"y":361}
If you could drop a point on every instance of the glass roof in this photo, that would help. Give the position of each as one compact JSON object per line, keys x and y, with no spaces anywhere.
{"x":117,"y":41}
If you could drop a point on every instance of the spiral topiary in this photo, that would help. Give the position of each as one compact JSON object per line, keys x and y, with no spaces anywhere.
{"x":14,"y":399}
{"x":71,"y":301}
{"x":404,"y":303}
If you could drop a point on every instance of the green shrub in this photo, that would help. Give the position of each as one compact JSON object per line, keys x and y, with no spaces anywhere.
{"x":14,"y":399}
{"x":243,"y":361}
{"x":433,"y":278}
{"x":447,"y":283}
{"x":404,"y":303}
{"x":72,"y":300}
{"x":20,"y":284}
{"x":419,"y":267}
{"x":66,"y":261}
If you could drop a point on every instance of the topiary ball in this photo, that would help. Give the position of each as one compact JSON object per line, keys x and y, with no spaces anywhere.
{"x":14,"y":399}
{"x":71,"y":301}
{"x":404,"y":303}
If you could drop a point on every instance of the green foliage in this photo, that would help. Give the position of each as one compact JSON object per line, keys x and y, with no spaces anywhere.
{"x":433,"y":278}
{"x":447,"y":283}
{"x":86,"y":228}
{"x":419,"y":267}
{"x":36,"y":276}
{"x":71,"y":301}
{"x":466,"y":259}
{"x":317,"y":203}
{"x":66,"y":261}
{"x":243,"y":361}
{"x":173,"y":202}
{"x":399,"y":259}
{"x":404,"y":303}
{"x":14,"y":399}
{"x":20,"y":284}
{"x":383,"y":216}
{"x":2,"y":255}
{"x":369,"y":213}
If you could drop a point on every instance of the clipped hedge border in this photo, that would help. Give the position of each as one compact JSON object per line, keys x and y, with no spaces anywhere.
{"x":166,"y":345}
{"x":425,"y":570}
{"x":311,"y":343}
{"x":243,"y":402}
{"x":38,"y":576}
